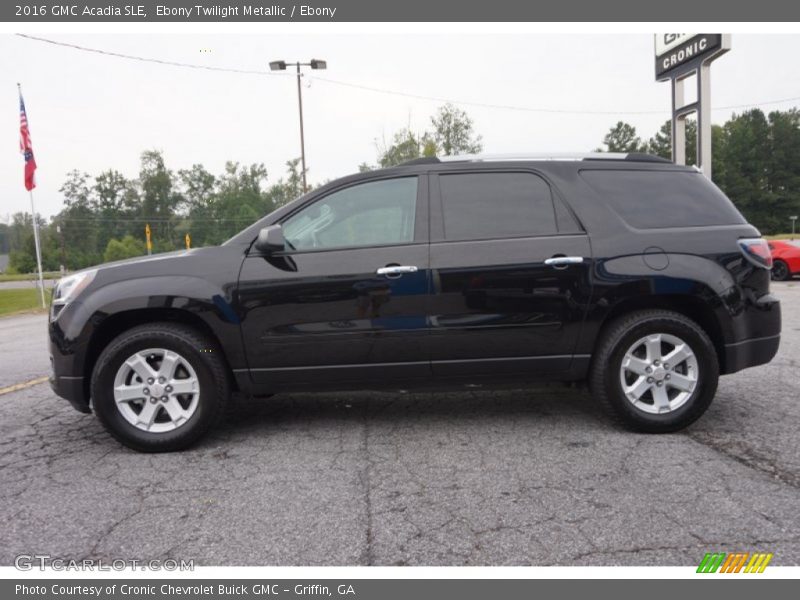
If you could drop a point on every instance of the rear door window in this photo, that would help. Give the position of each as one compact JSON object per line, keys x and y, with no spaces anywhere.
{"x":480,"y":206}
{"x":660,"y":199}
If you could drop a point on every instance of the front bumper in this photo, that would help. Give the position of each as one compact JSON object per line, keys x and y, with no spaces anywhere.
{"x":66,"y":367}
{"x":72,"y":390}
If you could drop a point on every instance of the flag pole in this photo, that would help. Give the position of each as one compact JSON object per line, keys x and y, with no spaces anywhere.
{"x":38,"y":251}
{"x":35,"y":232}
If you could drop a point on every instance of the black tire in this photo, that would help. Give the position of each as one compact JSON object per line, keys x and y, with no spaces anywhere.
{"x":780,"y":270}
{"x":618,"y":337}
{"x":203,"y":356}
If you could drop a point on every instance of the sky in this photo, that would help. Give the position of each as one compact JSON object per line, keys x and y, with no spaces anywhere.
{"x":94,"y":112}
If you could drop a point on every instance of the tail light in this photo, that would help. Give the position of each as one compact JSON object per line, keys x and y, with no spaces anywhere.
{"x":756,"y":250}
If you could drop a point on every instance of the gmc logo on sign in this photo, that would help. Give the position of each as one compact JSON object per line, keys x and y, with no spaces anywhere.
{"x":667,"y":41}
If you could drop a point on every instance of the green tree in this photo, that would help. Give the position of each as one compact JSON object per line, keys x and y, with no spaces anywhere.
{"x":159,"y":196}
{"x":405,"y":146}
{"x":453,"y":133}
{"x":114,"y":200}
{"x":22,"y":258}
{"x":783,"y":172}
{"x":5,"y":239}
{"x":127,"y":247}
{"x":199,"y":187}
{"x":199,"y":192}
{"x":622,"y":138}
{"x":286,"y":190}
{"x":746,"y":154}
{"x":241,"y":199}
{"x":661,"y":143}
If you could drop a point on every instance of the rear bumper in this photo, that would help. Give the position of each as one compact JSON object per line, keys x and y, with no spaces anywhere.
{"x":750,"y":353}
{"x":756,"y":334}
{"x":71,"y":389}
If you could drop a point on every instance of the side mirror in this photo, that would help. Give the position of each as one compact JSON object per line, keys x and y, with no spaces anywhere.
{"x":270,"y":239}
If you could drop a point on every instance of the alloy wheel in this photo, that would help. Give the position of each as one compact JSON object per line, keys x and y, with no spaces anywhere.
{"x":156,"y":390}
{"x":659,"y":373}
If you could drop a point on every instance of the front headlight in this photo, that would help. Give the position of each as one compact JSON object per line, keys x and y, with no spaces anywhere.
{"x":68,"y":288}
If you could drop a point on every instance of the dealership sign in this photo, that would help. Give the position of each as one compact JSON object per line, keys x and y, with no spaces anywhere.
{"x":682,"y":58}
{"x":676,"y":52}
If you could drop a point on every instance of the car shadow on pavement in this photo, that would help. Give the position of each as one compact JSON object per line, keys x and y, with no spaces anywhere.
{"x":552,"y":405}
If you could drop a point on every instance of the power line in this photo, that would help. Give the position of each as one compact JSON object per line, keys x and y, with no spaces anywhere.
{"x":159,"y":61}
{"x":485,"y":104}
{"x":531,"y":109}
{"x":390,"y":91}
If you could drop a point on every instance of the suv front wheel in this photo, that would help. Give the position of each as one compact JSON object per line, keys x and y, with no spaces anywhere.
{"x":159,"y":387}
{"x":655,"y":371}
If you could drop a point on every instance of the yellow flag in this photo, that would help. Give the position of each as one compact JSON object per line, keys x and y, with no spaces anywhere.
{"x":188,"y":242}
{"x":147,"y":236}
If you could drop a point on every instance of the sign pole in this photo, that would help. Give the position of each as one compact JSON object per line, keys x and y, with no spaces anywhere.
{"x":678,"y":124}
{"x":38,"y":250}
{"x":680,"y":56}
{"x":704,"y":118}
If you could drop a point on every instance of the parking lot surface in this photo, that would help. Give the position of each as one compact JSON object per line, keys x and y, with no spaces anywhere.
{"x":512,"y":477}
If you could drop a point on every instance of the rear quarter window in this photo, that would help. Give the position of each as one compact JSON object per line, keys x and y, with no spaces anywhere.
{"x":660,"y":199}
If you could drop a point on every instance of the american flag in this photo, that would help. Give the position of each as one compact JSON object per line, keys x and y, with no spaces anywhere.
{"x":25,"y":146}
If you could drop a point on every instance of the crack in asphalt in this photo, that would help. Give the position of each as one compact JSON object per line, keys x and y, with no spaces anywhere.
{"x":512,"y":477}
{"x":365,"y":476}
{"x":746,"y":456}
{"x":443,"y":480}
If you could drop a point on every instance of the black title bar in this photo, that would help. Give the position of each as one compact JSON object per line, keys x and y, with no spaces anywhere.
{"x":193,"y":11}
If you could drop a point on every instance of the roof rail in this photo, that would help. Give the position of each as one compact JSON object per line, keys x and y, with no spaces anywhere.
{"x":631,"y":156}
{"x":425,"y":160}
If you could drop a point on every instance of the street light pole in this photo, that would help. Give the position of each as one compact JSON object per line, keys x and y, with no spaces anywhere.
{"x":302,"y":135}
{"x":314,"y":63}
{"x":793,"y":219}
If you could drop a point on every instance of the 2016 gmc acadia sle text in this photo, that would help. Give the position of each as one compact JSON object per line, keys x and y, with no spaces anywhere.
{"x":628,"y":271}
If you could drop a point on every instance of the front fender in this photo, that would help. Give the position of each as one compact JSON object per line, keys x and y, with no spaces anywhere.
{"x":77,"y":324}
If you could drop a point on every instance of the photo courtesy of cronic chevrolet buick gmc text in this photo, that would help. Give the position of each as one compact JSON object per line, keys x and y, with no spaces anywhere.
{"x":627,"y":271}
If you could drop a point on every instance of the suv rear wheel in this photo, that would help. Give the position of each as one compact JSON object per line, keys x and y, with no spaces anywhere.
{"x":159,"y":387}
{"x":655,"y":371}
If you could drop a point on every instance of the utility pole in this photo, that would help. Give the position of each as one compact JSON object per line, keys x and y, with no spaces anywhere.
{"x":60,"y":231}
{"x":314,"y":63}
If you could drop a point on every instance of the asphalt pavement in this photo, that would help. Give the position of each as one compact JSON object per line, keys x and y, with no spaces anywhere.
{"x":514,"y":477}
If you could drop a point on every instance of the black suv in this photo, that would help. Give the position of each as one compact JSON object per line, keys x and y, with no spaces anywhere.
{"x":628,"y":271}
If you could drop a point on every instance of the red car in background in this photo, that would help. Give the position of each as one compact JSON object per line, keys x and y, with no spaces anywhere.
{"x":785,"y":260}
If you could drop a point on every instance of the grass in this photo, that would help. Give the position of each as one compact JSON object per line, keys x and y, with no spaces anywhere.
{"x":782,"y":236}
{"x":29,"y":276}
{"x":21,"y":300}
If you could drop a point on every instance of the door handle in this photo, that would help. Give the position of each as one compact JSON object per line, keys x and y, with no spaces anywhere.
{"x":396,"y":270}
{"x":561,"y":262}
